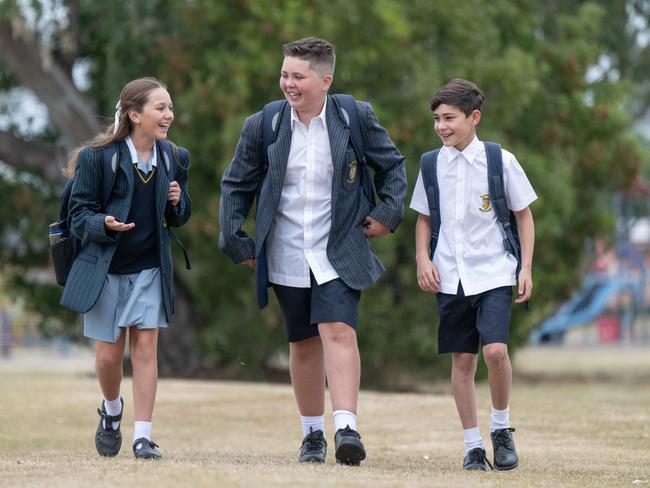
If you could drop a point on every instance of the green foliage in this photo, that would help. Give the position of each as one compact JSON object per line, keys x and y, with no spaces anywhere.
{"x":221,"y":61}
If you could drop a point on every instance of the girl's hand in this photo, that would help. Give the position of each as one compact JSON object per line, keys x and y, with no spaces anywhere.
{"x":112,"y":224}
{"x":174,"y":194}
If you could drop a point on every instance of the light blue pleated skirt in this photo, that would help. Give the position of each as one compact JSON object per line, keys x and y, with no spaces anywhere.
{"x":126,"y":301}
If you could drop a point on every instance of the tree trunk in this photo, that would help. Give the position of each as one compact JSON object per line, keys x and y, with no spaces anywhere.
{"x":178,"y":352}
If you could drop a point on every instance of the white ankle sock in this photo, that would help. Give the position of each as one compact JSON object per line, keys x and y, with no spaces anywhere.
{"x":344,"y":418}
{"x":472,"y":438}
{"x":113,"y":407}
{"x":500,"y":419}
{"x":141,"y":429}
{"x":317,"y":422}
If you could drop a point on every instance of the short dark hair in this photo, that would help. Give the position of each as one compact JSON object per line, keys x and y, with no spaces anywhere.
{"x":318,"y":52}
{"x":461,"y":94}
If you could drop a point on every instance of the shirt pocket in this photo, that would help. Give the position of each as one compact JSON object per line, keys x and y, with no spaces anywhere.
{"x":480,"y":202}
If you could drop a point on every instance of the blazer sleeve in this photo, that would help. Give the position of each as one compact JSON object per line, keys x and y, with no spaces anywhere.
{"x":389,"y":168}
{"x":239,"y":186}
{"x":85,"y":213}
{"x":179,"y":214}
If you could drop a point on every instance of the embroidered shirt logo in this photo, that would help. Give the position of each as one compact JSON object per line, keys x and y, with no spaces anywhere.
{"x":352,"y":176}
{"x":485,"y":198}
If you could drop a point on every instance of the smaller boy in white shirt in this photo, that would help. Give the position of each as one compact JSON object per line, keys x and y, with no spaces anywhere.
{"x":471,"y":272}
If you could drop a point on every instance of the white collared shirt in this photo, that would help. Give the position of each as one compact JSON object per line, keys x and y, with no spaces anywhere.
{"x":144,"y":166}
{"x":297,"y":241}
{"x":470,"y":244}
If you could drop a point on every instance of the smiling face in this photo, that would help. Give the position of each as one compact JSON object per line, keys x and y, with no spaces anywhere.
{"x":156,"y":116}
{"x":454,"y":127}
{"x":303,"y":87}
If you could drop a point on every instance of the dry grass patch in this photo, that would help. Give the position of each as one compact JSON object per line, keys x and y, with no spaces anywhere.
{"x":247,"y":434}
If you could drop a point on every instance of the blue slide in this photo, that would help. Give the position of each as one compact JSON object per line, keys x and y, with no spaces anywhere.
{"x":589,"y":303}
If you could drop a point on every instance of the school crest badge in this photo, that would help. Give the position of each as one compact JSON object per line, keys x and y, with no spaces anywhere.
{"x":352,"y":175}
{"x":485,"y":200}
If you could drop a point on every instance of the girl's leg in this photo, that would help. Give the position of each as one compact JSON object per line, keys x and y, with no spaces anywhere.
{"x":108,"y":366}
{"x":143,"y":347}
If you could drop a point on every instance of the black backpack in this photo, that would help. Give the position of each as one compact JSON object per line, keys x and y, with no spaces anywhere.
{"x":428,"y":167}
{"x":64,"y":246}
{"x":347,"y":109}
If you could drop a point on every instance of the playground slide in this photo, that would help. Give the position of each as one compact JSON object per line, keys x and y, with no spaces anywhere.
{"x":586,"y":305}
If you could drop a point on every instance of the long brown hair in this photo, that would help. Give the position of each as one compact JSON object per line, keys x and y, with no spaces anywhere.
{"x":134,"y":96}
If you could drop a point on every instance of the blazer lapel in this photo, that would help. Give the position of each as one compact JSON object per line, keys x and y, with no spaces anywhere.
{"x":279,"y":151}
{"x":339,"y":135}
{"x":125,"y":163}
{"x":278,"y":155}
{"x":162,"y":182}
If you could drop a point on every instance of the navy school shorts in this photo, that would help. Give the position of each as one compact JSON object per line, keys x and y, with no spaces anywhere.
{"x":304,"y":308}
{"x":467,"y":321}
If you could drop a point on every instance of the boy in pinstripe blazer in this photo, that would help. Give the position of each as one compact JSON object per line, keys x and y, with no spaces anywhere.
{"x":311,"y":246}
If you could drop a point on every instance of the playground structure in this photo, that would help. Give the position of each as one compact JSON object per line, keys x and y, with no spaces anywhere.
{"x":613,"y":301}
{"x":614,"y":292}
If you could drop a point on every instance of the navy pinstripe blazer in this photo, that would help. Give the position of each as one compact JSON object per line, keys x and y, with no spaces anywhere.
{"x":347,"y":248}
{"x":86,"y":219}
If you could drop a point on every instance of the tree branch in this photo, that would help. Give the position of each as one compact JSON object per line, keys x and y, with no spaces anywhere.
{"x":23,"y":155}
{"x":71,"y":113}
{"x":70,"y":37}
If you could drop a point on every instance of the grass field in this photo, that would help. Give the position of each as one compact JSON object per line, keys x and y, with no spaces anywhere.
{"x":582,"y":419}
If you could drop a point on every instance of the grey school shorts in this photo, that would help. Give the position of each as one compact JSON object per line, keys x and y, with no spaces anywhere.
{"x":125,"y":301}
{"x":304,"y":308}
{"x":467,"y":321}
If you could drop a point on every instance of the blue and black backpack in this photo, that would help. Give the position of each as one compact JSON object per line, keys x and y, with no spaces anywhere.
{"x":428,"y":167}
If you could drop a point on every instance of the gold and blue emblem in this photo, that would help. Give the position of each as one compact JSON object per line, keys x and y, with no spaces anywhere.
{"x":485,"y":199}
{"x":352,"y":175}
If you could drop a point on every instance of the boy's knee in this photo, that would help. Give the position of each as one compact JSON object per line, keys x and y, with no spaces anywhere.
{"x":495,"y":354}
{"x":306,"y":349}
{"x":464,"y":363}
{"x":338,"y":333}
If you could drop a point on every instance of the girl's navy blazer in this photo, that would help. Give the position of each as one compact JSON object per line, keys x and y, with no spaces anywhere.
{"x":86,"y":219}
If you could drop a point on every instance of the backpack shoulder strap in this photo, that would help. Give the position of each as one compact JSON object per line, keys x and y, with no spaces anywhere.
{"x":65,"y":198}
{"x":495,"y":182}
{"x":429,"y":170}
{"x":272,"y":113}
{"x":498,"y":197}
{"x":347,"y":107}
{"x":109,"y":158}
{"x":169,"y":157}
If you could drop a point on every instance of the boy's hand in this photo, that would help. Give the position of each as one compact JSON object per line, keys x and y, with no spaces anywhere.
{"x":112,"y":224}
{"x":374,"y":228}
{"x":525,"y":285}
{"x":428,"y":276}
{"x":250,"y":262}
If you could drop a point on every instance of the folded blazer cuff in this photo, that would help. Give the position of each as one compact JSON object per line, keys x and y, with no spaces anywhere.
{"x":237,"y":250}
{"x":97,"y":230}
{"x":387,"y":216}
